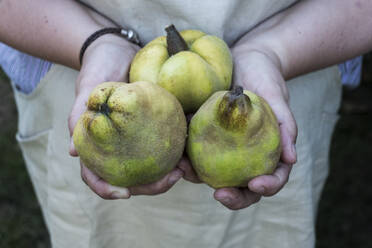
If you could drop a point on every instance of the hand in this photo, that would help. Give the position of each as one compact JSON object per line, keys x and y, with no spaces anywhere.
{"x":189,"y":173}
{"x":185,"y":165}
{"x":259,"y":72}
{"x":108,"y":59}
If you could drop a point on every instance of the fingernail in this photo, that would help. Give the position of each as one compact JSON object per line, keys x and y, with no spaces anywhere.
{"x":72,"y":150}
{"x":119,"y":193}
{"x":174,"y":177}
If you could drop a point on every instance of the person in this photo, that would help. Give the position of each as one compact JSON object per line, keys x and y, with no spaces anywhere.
{"x":280,"y":49}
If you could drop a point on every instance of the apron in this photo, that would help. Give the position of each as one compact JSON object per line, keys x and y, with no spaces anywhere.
{"x":187,"y":215}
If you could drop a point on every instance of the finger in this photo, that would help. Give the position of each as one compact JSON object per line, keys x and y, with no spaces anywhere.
{"x":159,"y":187}
{"x":288,"y":133}
{"x":269,"y":185}
{"x":72,"y":149}
{"x":236,"y":198}
{"x":188,"y":170}
{"x":78,"y":109}
{"x":101,"y":187}
{"x":288,"y":129}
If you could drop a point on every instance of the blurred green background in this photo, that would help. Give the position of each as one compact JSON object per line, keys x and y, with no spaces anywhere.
{"x":345,"y":211}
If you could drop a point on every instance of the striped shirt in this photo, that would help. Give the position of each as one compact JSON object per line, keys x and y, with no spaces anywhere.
{"x":26,"y":71}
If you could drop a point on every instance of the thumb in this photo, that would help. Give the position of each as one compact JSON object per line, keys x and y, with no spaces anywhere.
{"x":78,"y":109}
{"x":288,"y":131}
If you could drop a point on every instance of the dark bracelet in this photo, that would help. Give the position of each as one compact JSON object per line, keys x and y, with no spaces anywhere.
{"x":127,"y":34}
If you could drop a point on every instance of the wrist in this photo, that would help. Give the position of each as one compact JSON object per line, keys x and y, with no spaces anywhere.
{"x":106,"y":40}
{"x":258,"y":69}
{"x":253,"y":51}
{"x":109,"y":32}
{"x":106,"y":59}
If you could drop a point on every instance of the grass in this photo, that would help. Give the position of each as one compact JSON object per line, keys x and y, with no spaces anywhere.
{"x":344,"y":217}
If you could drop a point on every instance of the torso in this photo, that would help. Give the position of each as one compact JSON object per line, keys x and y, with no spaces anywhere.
{"x":227,"y":19}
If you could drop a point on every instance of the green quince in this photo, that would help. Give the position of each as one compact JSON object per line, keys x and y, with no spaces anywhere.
{"x":191,"y":65}
{"x":233,"y":138}
{"x":131,"y":134}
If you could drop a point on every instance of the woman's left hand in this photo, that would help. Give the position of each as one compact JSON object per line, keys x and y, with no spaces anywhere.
{"x":108,"y":59}
{"x":259,"y":72}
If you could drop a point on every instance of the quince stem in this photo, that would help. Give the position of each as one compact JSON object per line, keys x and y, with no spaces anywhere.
{"x":175,"y":42}
{"x":234,"y":109}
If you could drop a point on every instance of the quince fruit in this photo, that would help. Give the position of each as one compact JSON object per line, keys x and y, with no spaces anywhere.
{"x":233,"y":138}
{"x":131,"y":134}
{"x":191,"y":65}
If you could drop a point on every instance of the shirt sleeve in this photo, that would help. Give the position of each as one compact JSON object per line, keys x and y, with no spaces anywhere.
{"x":24,"y":70}
{"x":351,"y":71}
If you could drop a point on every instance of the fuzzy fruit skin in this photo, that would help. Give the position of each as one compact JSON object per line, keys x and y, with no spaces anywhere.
{"x":136,"y":138}
{"x":193,"y":75}
{"x":230,"y":155}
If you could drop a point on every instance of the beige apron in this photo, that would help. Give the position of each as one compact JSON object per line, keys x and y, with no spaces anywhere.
{"x":187,"y":215}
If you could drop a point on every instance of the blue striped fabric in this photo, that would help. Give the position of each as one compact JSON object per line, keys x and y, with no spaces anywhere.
{"x":26,"y":71}
{"x":351,"y":72}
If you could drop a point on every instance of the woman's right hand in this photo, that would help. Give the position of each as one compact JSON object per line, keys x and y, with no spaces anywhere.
{"x":108,"y":59}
